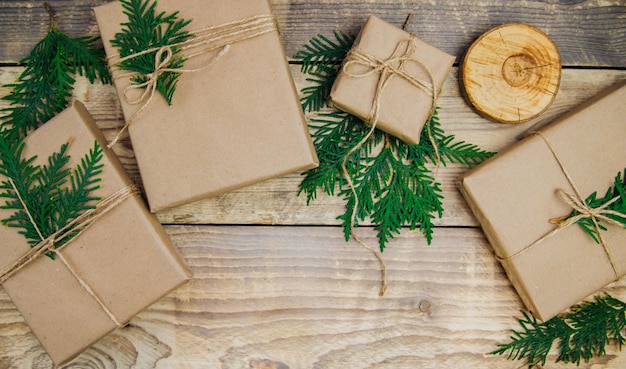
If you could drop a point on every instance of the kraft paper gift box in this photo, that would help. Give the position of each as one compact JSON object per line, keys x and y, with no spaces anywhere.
{"x":514,"y":197}
{"x":122,"y":263}
{"x":416,"y":71}
{"x":236,"y":122}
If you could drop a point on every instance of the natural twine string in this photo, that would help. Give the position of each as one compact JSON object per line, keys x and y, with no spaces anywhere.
{"x":73,"y":229}
{"x":577,"y":203}
{"x":204,"y":41}
{"x":393,"y":66}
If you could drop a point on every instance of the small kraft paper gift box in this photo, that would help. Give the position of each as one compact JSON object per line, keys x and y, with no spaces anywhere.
{"x":392,"y":79}
{"x":235,"y":118}
{"x":519,"y":197}
{"x":122,"y":261}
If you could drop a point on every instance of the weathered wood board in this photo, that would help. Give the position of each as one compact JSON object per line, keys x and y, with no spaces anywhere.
{"x":300,"y":297}
{"x":588,"y":33}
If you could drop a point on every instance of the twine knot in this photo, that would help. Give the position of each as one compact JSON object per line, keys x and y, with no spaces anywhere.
{"x":70,"y":231}
{"x":162,"y":59}
{"x":392,"y":66}
{"x":205,"y":40}
{"x":597,"y":214}
{"x":386,"y":68}
{"x":577,"y":203}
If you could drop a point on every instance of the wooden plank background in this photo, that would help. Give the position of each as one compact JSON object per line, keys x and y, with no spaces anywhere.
{"x":275,"y":285}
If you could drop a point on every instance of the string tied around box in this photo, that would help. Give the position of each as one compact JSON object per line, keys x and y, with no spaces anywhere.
{"x":394,"y":66}
{"x":578,"y":204}
{"x":204,"y":41}
{"x":68,"y":233}
{"x":388,"y":68}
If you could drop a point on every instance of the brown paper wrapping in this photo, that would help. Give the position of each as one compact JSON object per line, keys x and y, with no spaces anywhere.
{"x":404,"y":108}
{"x":125,"y":257}
{"x":230,"y":125}
{"x":514,"y":195}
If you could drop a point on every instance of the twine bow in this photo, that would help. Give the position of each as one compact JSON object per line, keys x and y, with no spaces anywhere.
{"x":160,"y":67}
{"x":162,"y":59}
{"x":204,"y":41}
{"x":386,"y":68}
{"x":585,"y":211}
{"x":578,"y":204}
{"x":73,"y":229}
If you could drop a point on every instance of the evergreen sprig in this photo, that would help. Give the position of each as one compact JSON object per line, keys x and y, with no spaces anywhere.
{"x":322,"y":51}
{"x":618,"y":190}
{"x":321,"y":58}
{"x":47,"y":82}
{"x":146,"y":30}
{"x":583,"y":332}
{"x":52,"y":194}
{"x":393,"y":184}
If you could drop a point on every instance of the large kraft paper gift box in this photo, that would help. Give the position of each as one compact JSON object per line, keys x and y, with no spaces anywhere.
{"x":413,"y":72}
{"x":514,"y":197}
{"x":236,"y":122}
{"x":122,"y":263}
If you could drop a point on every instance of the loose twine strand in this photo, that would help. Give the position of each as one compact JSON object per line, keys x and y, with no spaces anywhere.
{"x":393,"y":66}
{"x":73,"y":229}
{"x":207,"y":40}
{"x":577,"y":203}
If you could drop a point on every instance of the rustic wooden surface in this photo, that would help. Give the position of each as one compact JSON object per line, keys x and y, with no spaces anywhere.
{"x":275,"y":284}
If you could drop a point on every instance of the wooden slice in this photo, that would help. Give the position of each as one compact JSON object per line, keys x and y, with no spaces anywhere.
{"x":511,"y":73}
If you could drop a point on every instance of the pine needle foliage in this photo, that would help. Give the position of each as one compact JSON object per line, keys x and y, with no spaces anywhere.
{"x":618,"y":190}
{"x":46,"y":84}
{"x":583,"y":332}
{"x":146,"y":30}
{"x":393,"y":183}
{"x":53,"y":193}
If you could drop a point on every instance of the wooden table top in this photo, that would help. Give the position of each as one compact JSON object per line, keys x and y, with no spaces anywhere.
{"x":276,"y":285}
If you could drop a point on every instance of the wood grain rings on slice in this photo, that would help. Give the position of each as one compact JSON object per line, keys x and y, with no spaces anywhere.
{"x":511,"y":73}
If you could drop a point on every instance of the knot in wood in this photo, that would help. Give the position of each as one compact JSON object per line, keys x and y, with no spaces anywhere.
{"x":425,"y":307}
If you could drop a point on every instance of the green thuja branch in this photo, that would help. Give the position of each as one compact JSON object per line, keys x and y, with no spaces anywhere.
{"x":321,"y":58}
{"x":46,"y":198}
{"x":146,"y":30}
{"x":314,"y":97}
{"x":616,"y":196}
{"x":583,"y":332}
{"x":47,"y":82}
{"x":323,"y":52}
{"x":393,"y":184}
